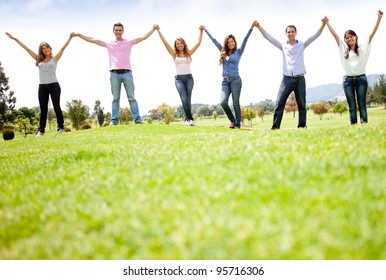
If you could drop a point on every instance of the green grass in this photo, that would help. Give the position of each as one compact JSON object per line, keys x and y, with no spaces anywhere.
{"x":204,"y":192}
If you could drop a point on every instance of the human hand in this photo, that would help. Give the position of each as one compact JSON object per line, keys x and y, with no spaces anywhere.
{"x":10,"y":36}
{"x":380,"y":14}
{"x":156,"y":27}
{"x":325,"y":20}
{"x":202,"y":27}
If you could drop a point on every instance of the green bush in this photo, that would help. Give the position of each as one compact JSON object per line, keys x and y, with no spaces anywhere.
{"x":8,"y":134}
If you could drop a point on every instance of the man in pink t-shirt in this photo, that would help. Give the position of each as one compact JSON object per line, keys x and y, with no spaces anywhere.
{"x":120,"y":69}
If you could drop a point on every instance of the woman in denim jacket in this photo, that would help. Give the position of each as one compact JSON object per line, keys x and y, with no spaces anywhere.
{"x":230,"y":57}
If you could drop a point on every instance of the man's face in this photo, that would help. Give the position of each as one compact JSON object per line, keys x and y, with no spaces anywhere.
{"x":291,"y":33}
{"x":118,"y":32}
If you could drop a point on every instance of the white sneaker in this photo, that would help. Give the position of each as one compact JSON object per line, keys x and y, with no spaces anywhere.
{"x":187,"y":122}
{"x":61,"y":130}
{"x":39,"y":134}
{"x":111,"y":124}
{"x":191,"y":122}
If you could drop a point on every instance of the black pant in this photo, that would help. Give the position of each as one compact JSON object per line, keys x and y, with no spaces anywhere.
{"x":45,"y":90}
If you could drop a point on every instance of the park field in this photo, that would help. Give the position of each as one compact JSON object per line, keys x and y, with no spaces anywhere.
{"x":152,"y":191}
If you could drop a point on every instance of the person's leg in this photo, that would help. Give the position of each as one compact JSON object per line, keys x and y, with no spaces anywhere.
{"x":349,"y":91}
{"x":128,"y":82}
{"x":300,"y":95}
{"x":286,"y":87}
{"x":361,"y":91}
{"x":115,"y":82}
{"x":55,"y":97}
{"x":236,"y":85}
{"x":225,"y":93}
{"x":43,"y":95}
{"x":184,"y":87}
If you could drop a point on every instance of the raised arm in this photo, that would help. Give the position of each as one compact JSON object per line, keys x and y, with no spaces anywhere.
{"x":167,"y":46}
{"x":324,"y":22}
{"x":258,"y":26}
{"x":380,"y":15}
{"x":202,"y":28}
{"x":336,"y":37}
{"x":144,"y":37}
{"x":31,"y":53}
{"x":90,"y":39}
{"x":215,"y":42}
{"x":60,"y":53}
{"x":244,"y":43}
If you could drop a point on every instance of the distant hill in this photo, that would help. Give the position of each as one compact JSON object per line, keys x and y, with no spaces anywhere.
{"x":329,"y":92}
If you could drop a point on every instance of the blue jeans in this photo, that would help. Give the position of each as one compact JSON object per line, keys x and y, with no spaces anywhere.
{"x":288,"y":85}
{"x":184,"y":85}
{"x":355,"y":89}
{"x":231,"y":85}
{"x":116,"y":80}
{"x":45,"y":91}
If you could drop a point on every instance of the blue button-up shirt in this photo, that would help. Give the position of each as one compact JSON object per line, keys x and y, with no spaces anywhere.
{"x":293,"y":55}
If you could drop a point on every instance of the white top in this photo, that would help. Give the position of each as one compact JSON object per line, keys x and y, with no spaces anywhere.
{"x":183,"y":65}
{"x":47,"y":72}
{"x":354,"y":65}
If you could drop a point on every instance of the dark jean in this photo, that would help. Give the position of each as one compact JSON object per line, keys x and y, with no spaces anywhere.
{"x":231,"y":85}
{"x":298,"y":86}
{"x":355,"y":89}
{"x":184,"y":85}
{"x":45,"y":90}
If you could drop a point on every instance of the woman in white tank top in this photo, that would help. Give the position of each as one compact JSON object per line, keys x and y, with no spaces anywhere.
{"x":183,"y":79}
{"x":48,"y":83}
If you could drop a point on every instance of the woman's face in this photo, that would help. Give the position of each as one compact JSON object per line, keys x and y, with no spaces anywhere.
{"x":46,"y":50}
{"x":179,"y":45}
{"x":350,"y":39}
{"x":231,"y":43}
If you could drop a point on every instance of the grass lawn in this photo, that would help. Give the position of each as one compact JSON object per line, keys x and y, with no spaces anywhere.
{"x":204,"y":192}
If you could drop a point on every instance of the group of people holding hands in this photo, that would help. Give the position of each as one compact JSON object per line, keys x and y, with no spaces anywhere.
{"x":353,"y":57}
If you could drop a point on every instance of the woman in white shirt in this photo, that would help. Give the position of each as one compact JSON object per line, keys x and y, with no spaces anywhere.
{"x":354,"y":59}
{"x":182,"y":57}
{"x":48,"y":83}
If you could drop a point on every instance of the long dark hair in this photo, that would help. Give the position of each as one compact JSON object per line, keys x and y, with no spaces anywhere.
{"x":225,"y":49}
{"x":352,"y":33}
{"x":41,"y":55}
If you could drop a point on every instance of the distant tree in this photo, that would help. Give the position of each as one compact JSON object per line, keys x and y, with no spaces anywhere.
{"x":7,"y":101}
{"x":28,"y":113}
{"x":216,"y":108}
{"x":320,"y":109}
{"x":101,"y":117}
{"x":214,"y":115}
{"x":154,"y":114}
{"x":250,"y":114}
{"x":371,"y":97}
{"x":203,"y":111}
{"x":77,"y":112}
{"x":380,"y":90}
{"x":339,"y":108}
{"x":261,"y":113}
{"x":291,"y":105}
{"x":125,"y":116}
{"x":24,"y":125}
{"x":167,"y":112}
{"x":268,"y":105}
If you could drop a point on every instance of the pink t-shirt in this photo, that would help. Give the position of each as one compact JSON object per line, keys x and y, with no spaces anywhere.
{"x":119,"y":53}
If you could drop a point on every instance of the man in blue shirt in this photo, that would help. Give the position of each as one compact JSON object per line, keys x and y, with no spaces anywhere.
{"x":293,"y":72}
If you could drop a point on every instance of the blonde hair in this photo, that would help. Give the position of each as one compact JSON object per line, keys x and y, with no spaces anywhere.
{"x":185,"y":51}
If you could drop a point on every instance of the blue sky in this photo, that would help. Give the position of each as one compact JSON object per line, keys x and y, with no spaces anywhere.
{"x":83,"y":68}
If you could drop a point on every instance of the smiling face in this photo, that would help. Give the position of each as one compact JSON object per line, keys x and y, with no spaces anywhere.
{"x":350,"y":40}
{"x":179,"y":45}
{"x":231,"y":43}
{"x":46,"y":50}
{"x":118,"y":31}
{"x":291,"y":33}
